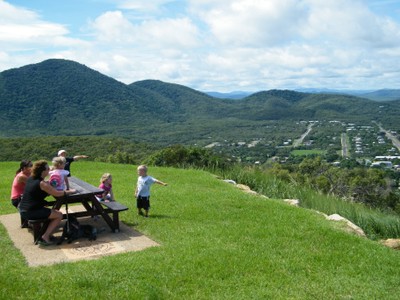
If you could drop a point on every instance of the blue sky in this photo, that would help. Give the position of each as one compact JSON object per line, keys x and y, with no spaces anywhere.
{"x":224,"y":45}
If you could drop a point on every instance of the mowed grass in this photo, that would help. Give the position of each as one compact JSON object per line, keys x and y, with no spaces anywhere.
{"x":216,"y":242}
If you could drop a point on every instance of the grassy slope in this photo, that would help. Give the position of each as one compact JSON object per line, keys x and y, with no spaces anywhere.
{"x":216,"y":243}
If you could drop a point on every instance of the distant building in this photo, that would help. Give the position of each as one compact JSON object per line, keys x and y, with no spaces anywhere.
{"x":384,"y":164}
{"x":387,"y":157}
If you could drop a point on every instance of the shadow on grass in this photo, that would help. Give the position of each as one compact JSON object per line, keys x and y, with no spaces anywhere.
{"x":140,"y":218}
{"x":155,"y":216}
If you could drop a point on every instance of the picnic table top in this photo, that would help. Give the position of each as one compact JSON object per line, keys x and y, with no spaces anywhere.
{"x":82,"y":187}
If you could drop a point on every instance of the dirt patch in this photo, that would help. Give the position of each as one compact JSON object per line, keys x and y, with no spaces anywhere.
{"x":107,"y":242}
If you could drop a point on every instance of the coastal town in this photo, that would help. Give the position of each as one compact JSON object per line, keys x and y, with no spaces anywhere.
{"x":370,"y":144}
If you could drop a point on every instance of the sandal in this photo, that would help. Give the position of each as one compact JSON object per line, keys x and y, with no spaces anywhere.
{"x":42,"y":242}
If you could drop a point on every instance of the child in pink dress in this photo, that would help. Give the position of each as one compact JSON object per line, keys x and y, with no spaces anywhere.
{"x":106,"y":186}
{"x":59,"y":176}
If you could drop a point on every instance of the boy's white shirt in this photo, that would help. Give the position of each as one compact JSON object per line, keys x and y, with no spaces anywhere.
{"x":143,"y":185}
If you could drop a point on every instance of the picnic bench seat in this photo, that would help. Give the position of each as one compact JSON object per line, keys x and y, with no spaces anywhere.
{"x":114,"y":207}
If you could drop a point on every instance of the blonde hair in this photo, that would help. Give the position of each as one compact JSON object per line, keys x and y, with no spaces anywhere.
{"x":142,"y":167}
{"x":58,"y":161}
{"x":104,"y":177}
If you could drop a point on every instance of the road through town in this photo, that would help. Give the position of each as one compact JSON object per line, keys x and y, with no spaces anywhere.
{"x":390,"y":136}
{"x":345,"y":147}
{"x":299,"y":141}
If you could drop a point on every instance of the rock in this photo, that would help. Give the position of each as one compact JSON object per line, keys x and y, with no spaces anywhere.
{"x":349,"y":225}
{"x":243,"y":187}
{"x":294,"y":202}
{"x":246,"y":189}
{"x":392,"y":243}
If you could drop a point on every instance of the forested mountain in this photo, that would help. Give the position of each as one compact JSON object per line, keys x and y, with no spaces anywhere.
{"x":61,"y":97}
{"x":184,"y":101}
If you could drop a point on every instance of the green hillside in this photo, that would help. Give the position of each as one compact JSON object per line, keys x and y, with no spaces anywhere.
{"x":217,"y":242}
{"x":61,"y":97}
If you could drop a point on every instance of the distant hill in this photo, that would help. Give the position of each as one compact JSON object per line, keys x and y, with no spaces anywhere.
{"x":230,"y":95}
{"x":382,"y":95}
{"x":379,"y":95}
{"x":62,"y":97}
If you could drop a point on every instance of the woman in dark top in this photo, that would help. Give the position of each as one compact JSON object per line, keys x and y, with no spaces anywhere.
{"x":33,"y":203}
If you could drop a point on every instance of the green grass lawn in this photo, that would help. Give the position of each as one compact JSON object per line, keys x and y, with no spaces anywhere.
{"x":217,"y":242}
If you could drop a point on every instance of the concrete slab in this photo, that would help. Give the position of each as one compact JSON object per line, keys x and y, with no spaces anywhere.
{"x":107,"y":243}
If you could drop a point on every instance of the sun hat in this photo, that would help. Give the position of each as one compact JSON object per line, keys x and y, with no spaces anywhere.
{"x":61,"y":152}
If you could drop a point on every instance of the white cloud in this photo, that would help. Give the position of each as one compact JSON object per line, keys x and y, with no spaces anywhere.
{"x":350,"y":23}
{"x":13,"y":14}
{"x":255,"y":23}
{"x":113,"y":27}
{"x":177,"y":33}
{"x":21,"y":29}
{"x":20,"y":26}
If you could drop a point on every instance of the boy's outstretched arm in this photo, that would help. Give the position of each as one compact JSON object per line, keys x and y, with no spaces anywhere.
{"x":76,"y":157}
{"x":160,"y":182}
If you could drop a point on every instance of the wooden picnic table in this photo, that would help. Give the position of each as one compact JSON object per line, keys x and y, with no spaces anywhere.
{"x":86,"y":196}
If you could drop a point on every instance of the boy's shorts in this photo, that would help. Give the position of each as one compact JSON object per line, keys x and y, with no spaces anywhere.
{"x":143,"y":202}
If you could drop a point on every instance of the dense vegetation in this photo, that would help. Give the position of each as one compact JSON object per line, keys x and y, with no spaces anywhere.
{"x":369,"y":186}
{"x":105,"y":149}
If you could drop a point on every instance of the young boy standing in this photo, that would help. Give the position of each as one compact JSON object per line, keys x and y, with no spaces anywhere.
{"x":142,"y":191}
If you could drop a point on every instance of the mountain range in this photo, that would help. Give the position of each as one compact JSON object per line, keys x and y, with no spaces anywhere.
{"x":376,"y":95}
{"x":62,"y":97}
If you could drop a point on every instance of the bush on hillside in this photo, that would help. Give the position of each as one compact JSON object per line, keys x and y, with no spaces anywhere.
{"x":183,"y":157}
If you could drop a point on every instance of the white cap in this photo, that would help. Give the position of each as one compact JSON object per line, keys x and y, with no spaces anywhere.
{"x":61,"y":152}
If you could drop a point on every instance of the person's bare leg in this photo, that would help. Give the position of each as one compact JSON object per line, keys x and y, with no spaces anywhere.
{"x":55,"y":220}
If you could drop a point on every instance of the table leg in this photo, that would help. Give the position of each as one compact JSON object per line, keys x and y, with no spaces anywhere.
{"x":100,"y":211}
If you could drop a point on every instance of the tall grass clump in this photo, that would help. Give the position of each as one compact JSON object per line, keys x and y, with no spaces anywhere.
{"x":376,"y":224}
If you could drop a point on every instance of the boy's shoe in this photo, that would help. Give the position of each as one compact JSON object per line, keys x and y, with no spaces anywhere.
{"x":140,"y":213}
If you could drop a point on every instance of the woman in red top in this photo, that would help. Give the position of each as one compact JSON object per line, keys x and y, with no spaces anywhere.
{"x":21,"y":176}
